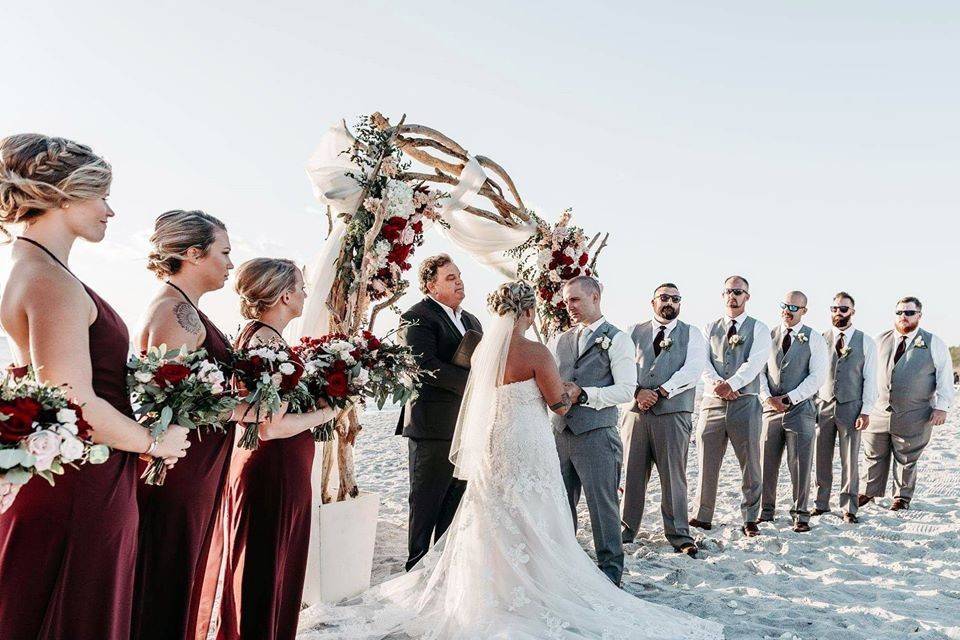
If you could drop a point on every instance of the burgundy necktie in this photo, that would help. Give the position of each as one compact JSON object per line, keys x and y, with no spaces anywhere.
{"x":732,"y":331}
{"x":840,"y":345}
{"x":901,"y":349}
{"x":785,"y":345}
{"x":656,"y":341}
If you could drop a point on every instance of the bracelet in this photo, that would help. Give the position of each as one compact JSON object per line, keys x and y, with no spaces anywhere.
{"x":153,"y":447}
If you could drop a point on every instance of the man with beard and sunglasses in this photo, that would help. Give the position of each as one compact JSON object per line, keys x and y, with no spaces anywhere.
{"x":730,"y":409}
{"x":796,"y":369}
{"x":915,"y":383}
{"x":670,"y":356}
{"x":845,"y":402}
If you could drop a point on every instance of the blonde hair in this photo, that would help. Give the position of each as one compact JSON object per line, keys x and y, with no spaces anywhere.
{"x":261,"y":283}
{"x":39,"y":172}
{"x":174,"y":233}
{"x":512,"y":298}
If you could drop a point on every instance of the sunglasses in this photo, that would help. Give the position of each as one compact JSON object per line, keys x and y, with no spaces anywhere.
{"x":668,"y":298}
{"x":906,"y":312}
{"x":842,"y":309}
{"x":792,"y":308}
{"x":734,"y":292}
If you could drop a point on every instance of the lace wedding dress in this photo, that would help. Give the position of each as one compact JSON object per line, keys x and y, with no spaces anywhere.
{"x":510,"y":566}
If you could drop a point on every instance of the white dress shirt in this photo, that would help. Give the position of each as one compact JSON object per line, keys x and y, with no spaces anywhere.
{"x":819,"y":361}
{"x":455,"y":316}
{"x":869,"y":366}
{"x":622,"y":366}
{"x":751,"y":368}
{"x":685,"y":377}
{"x":941,"y":360}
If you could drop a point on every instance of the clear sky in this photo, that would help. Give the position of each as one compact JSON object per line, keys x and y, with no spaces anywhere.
{"x":808,"y":145}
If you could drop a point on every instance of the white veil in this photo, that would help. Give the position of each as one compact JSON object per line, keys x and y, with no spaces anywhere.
{"x":478,"y":409}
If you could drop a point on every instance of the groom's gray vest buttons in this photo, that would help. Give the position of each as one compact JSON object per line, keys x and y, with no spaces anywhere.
{"x":653,"y":371}
{"x":590,"y":369}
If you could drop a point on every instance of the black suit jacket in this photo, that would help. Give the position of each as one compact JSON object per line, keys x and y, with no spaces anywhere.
{"x":434,"y":340}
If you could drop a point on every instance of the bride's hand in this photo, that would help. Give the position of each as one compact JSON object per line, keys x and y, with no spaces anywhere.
{"x":8,"y":492}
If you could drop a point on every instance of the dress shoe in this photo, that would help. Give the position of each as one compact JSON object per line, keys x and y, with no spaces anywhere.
{"x":750,"y":529}
{"x":801,"y":527}
{"x":628,"y":535}
{"x":899,"y":504}
{"x":849,"y":518}
{"x":863,"y":500}
{"x":765,"y":519}
{"x":688,"y":548}
{"x":819,"y":512}
{"x":700,"y":524}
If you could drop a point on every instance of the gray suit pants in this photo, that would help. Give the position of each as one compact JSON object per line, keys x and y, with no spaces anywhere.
{"x":828,"y":432}
{"x":591,"y":463}
{"x":797,"y":438}
{"x":902,"y":452}
{"x":663,"y":441}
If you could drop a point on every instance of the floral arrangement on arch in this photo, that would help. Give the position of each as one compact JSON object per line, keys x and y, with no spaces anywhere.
{"x":552,"y":256}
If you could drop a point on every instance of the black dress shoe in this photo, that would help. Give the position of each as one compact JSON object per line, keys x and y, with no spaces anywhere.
{"x":863,"y":500}
{"x":750,"y":529}
{"x":765,"y":519}
{"x":801,"y":527}
{"x":628,"y":535}
{"x":700,"y":524}
{"x":850,"y":518}
{"x":899,"y":504}
{"x":819,"y":512}
{"x":688,"y":548}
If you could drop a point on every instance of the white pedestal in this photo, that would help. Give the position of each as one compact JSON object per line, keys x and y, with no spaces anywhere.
{"x":342,"y":537}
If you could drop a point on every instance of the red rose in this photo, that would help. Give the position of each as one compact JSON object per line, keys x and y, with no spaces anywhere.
{"x":583,"y":259}
{"x":340,"y":365}
{"x":337,"y":384}
{"x":393,"y":228}
{"x":399,"y":253}
{"x":171,"y":374}
{"x":21,"y":414}
{"x":290,"y":381}
{"x":418,"y":227}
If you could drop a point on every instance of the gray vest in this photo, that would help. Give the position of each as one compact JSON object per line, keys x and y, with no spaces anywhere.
{"x":845,"y":378}
{"x":654,"y":371}
{"x":785,"y":371}
{"x":726,"y":359}
{"x":589,"y":369}
{"x":907,"y":389}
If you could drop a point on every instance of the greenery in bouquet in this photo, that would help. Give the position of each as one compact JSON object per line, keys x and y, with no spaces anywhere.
{"x":265,"y":377}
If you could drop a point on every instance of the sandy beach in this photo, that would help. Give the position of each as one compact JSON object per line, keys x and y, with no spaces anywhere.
{"x":894,"y":575}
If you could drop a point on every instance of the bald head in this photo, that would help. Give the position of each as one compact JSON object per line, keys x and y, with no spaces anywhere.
{"x":793,"y":308}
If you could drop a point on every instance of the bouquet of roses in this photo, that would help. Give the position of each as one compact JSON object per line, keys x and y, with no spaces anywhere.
{"x":176,"y":387}
{"x":266,"y":377}
{"x":41,"y":430}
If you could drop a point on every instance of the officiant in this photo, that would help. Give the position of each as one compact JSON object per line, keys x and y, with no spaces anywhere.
{"x":437,"y":329}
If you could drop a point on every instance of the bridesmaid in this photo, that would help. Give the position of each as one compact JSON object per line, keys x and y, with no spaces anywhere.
{"x":67,"y":553}
{"x":270,"y":487}
{"x":178,"y":520}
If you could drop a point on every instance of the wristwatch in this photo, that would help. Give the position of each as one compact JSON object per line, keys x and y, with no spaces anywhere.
{"x":787,"y":402}
{"x":583,"y":398}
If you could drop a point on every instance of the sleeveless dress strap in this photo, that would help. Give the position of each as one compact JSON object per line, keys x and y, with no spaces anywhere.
{"x":52,"y":257}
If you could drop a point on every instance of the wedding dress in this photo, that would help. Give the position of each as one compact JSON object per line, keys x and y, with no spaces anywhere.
{"x":510,"y":565}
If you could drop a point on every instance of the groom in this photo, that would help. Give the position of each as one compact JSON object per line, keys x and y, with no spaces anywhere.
{"x":436,"y":325}
{"x":596,"y":361}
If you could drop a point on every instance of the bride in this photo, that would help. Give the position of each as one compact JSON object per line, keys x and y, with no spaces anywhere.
{"x":510,"y":565}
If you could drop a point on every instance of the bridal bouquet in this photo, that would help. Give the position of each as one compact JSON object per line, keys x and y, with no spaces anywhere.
{"x":41,"y":431}
{"x":553,"y":255}
{"x":343,"y":370}
{"x":176,"y":387}
{"x":266,"y":377}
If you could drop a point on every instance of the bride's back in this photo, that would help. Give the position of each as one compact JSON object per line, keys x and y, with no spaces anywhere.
{"x":522,"y":360}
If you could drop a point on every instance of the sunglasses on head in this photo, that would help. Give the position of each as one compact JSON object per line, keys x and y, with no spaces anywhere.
{"x":841,"y":308}
{"x":906,"y":312}
{"x":664,"y":297}
{"x":792,"y":308}
{"x":734,"y":292}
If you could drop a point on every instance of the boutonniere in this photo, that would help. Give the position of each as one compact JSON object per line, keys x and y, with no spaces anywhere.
{"x":845,"y":352}
{"x":919,"y":343}
{"x":735,"y":340}
{"x":604,"y":342}
{"x":665,"y":344}
{"x":801,"y":337}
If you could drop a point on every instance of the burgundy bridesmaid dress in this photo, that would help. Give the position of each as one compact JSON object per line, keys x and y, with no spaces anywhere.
{"x":179,"y":526}
{"x":68,"y":552}
{"x":270,"y":498}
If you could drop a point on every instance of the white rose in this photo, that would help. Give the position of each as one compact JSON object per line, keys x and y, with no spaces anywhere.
{"x":71,"y":449}
{"x":554,"y":276}
{"x":143,"y":376}
{"x":362,"y":378}
{"x":408,"y":235}
{"x":287,"y":368}
{"x":67,"y":416}
{"x":44,"y":447}
{"x":265,"y":378}
{"x":282,"y":356}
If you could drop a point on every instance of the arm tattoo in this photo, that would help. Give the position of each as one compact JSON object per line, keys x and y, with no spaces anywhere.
{"x":187,"y":318}
{"x":564,"y":402}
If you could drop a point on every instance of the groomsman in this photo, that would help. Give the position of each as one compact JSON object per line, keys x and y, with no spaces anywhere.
{"x":845,"y":402}
{"x":437,"y":325}
{"x":670,"y":356}
{"x":796,"y":369}
{"x":915,"y":382}
{"x":730,"y":409}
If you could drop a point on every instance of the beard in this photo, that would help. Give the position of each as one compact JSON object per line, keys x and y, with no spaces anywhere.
{"x":668,"y":313}
{"x":841,"y":323}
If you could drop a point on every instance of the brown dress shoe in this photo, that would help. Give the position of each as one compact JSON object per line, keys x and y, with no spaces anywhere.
{"x":750,"y":529}
{"x":765,"y":519}
{"x":819,"y":512}
{"x":899,"y":504}
{"x":688,"y":548}
{"x":863,"y":500}
{"x":850,"y":518}
{"x":801,"y":527}
{"x":700,"y":524}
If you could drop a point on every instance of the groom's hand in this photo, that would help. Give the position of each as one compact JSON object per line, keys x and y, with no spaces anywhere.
{"x":573,"y":389}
